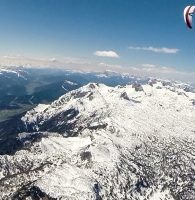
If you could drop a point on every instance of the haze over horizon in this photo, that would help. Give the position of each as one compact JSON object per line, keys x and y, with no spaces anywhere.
{"x":139,"y":37}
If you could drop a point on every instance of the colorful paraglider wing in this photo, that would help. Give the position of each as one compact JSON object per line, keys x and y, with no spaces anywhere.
{"x":188,"y":13}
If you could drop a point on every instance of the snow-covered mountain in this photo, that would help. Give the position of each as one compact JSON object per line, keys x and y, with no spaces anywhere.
{"x":131,"y":142}
{"x":19,"y":71}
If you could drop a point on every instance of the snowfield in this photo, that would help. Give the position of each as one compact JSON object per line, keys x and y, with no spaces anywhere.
{"x":131,"y":142}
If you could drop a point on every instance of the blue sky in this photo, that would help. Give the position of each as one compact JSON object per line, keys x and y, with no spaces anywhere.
{"x":78,"y":28}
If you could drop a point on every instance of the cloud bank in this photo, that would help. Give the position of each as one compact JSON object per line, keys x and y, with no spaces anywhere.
{"x":86,"y":65}
{"x":155,"y":50}
{"x":110,"y":54}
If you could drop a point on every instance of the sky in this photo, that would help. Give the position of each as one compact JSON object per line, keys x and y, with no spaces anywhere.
{"x":145,"y":37}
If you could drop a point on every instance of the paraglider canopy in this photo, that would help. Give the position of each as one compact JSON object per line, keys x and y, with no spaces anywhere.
{"x":188,"y":13}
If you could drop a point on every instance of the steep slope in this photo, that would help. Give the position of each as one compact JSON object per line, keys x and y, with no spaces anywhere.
{"x":134,"y":142}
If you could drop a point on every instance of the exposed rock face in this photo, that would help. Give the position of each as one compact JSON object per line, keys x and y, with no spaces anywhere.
{"x":138,"y":87}
{"x":151,"y":82}
{"x":120,"y":144}
{"x":125,"y":96}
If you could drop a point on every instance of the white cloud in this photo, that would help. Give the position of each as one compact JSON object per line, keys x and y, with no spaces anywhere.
{"x":109,"y":65}
{"x":155,"y":69}
{"x":110,"y":54}
{"x":65,"y":62}
{"x":53,"y":59}
{"x":156,"y":50}
{"x":164,"y":72}
{"x":149,"y":65}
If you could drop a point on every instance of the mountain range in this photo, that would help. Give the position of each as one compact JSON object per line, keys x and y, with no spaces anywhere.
{"x":131,"y":141}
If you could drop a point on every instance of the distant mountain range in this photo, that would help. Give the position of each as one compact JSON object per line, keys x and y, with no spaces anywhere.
{"x":131,"y":141}
{"x":23,"y":88}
